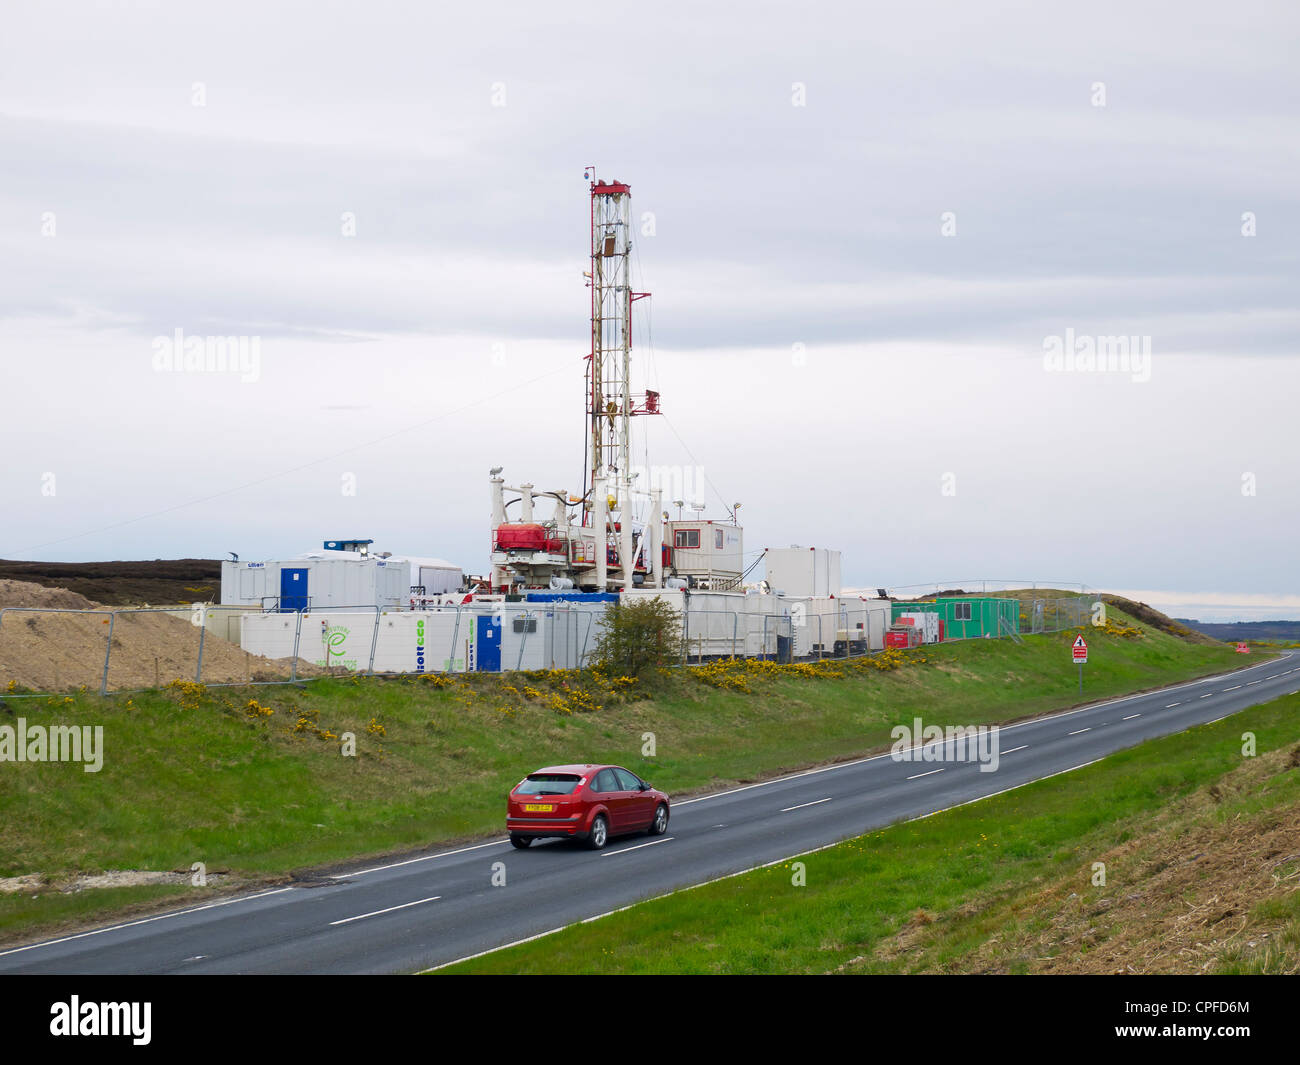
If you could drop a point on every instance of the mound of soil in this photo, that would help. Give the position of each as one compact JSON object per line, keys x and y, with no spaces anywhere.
{"x":43,"y":650}
{"x":26,"y":594}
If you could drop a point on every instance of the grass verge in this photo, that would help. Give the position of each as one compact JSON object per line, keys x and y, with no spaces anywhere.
{"x":1199,"y":846}
{"x":254,"y":781}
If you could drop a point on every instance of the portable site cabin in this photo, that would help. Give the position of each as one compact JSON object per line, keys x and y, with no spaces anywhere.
{"x":726,"y":624}
{"x":487,"y":635}
{"x":431,"y":576}
{"x":428,"y":576}
{"x":708,"y":554}
{"x":803,"y":572}
{"x":830,"y":625}
{"x":315,"y":582}
{"x":343,"y":573}
{"x":968,"y":617}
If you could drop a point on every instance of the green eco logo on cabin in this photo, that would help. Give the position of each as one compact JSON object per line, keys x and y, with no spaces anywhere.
{"x":333,"y":639}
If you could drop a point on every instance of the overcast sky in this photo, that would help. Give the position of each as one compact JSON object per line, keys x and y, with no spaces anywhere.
{"x":862,"y":225}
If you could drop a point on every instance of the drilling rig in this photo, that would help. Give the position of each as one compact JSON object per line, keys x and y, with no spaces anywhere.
{"x":595,"y":542}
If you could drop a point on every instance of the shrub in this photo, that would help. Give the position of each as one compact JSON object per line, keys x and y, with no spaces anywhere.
{"x":638,"y":636}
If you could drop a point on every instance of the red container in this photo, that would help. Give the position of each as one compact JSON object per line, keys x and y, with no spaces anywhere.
{"x":521,"y":536}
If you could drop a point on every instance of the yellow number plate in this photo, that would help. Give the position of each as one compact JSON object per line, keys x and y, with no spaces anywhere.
{"x":537,"y":807}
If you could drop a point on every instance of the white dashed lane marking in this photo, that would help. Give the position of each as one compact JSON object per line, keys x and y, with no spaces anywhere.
{"x":628,"y":850}
{"x":815,"y":802}
{"x":376,"y":913}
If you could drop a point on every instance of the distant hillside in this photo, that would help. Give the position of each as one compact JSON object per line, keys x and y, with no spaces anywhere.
{"x":1142,"y":612}
{"x":159,"y":582}
{"x":1246,"y":630}
{"x":1152,"y":616}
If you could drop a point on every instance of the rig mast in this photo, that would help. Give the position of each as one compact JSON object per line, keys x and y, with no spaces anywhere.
{"x":600,"y":551}
{"x":610,"y":402}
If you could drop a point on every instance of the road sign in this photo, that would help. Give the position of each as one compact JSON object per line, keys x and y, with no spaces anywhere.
{"x":1243,"y":648}
{"x":1080,"y":650}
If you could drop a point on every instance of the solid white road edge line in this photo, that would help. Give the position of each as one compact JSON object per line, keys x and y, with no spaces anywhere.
{"x":144,"y":920}
{"x":741,"y":872}
{"x":412,"y":861}
{"x":685,"y":802}
{"x":1001,"y":728}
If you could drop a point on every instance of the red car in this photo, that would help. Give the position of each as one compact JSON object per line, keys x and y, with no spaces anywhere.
{"x":587,"y":802}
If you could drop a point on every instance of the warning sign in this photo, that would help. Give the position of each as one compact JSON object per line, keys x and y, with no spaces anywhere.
{"x":1080,"y":650}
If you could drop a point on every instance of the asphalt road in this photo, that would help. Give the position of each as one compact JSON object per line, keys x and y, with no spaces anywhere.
{"x":419,"y":912}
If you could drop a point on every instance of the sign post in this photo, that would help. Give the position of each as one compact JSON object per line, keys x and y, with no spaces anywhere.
{"x":1080,"y":652}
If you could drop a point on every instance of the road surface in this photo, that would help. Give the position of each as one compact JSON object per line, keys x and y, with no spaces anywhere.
{"x":410,"y":914}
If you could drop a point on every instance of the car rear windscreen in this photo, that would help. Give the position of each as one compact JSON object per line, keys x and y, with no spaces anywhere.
{"x":548,"y":784}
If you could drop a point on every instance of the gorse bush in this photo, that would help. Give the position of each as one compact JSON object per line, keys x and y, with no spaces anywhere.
{"x":638,"y":636}
{"x":737,"y":674}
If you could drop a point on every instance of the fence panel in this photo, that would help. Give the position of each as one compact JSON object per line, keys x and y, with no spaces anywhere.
{"x":53,"y":650}
{"x":47,"y":650}
{"x":151,"y":648}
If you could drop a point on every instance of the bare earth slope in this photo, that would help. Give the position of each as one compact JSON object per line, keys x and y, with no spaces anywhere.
{"x":45,"y":651}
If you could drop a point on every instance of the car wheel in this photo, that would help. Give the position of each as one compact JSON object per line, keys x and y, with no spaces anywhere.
{"x":520,"y":841}
{"x":599,"y":833}
{"x":660,"y":824}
